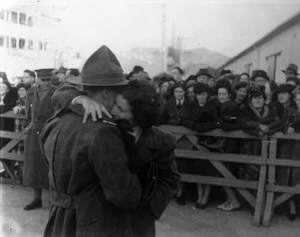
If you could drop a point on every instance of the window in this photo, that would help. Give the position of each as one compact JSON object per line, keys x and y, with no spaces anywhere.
{"x":40,"y":45}
{"x":14,"y":17}
{"x":248,"y":68}
{"x":21,"y":43}
{"x":272,"y":65}
{"x":2,"y":15}
{"x":45,"y":46}
{"x":7,"y":41}
{"x":22,"y":20}
{"x":1,"y":41}
{"x":30,"y":44}
{"x":30,"y":21}
{"x":13,"y":43}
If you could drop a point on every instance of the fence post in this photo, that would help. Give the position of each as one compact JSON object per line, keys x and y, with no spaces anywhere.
{"x":271,"y":180}
{"x":260,"y":197}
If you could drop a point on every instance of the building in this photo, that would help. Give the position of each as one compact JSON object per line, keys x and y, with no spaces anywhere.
{"x":271,"y":53}
{"x":31,"y":38}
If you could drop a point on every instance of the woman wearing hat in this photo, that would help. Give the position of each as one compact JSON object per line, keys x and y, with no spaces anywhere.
{"x":258,"y":118}
{"x":176,"y":112}
{"x":228,"y":120}
{"x":241,"y":93}
{"x":204,"y":119}
{"x":286,"y":107}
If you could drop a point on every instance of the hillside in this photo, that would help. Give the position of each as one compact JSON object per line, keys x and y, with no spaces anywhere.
{"x":151,"y":59}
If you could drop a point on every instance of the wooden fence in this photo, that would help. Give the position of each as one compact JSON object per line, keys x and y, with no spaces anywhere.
{"x":257,"y":200}
{"x":262,"y":200}
{"x":7,"y":151}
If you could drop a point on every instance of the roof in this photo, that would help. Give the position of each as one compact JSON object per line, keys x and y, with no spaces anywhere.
{"x":285,"y":25}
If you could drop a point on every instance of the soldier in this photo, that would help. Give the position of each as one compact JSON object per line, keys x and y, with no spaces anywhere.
{"x":91,"y":187}
{"x":38,"y":110}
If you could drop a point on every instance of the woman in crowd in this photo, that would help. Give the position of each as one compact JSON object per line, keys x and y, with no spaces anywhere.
{"x":228,"y":120}
{"x":176,"y":112}
{"x":179,"y":108}
{"x":204,"y":119}
{"x":190,"y":91}
{"x":8,"y":98}
{"x":258,"y":118}
{"x":241,"y":94}
{"x":286,"y":107}
{"x":152,"y":153}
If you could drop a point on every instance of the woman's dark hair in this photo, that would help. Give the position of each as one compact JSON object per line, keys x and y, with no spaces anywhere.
{"x":144,"y":102}
{"x":224,"y":83}
{"x":23,"y":85}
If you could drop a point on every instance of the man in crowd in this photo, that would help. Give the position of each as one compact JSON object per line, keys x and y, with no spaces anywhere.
{"x":203,"y":76}
{"x":91,"y":187}
{"x":61,"y":75}
{"x":177,"y":74}
{"x":38,"y":110}
{"x":291,"y":71}
{"x":29,"y":77}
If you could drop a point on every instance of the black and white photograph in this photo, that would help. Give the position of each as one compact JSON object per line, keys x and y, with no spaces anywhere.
{"x":150,"y":118}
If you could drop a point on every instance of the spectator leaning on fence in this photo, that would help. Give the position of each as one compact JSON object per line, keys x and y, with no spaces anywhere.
{"x":228,"y":116}
{"x":204,"y":119}
{"x":285,"y":106}
{"x":258,"y":118}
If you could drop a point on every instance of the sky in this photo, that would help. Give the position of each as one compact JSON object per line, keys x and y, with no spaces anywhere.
{"x":227,"y":26}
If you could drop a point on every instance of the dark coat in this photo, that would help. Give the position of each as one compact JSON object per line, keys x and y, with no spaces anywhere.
{"x":251,"y":120}
{"x":38,"y":112}
{"x":9,"y":101}
{"x":89,"y":162}
{"x":153,"y":146}
{"x":287,"y":149}
{"x":250,"y":124}
{"x":173,"y":116}
{"x":203,"y":118}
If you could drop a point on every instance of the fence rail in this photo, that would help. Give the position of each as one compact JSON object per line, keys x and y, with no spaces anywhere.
{"x":263,"y":201}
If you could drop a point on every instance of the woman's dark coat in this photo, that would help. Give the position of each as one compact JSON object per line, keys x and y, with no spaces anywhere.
{"x":9,"y":101}
{"x":287,"y":149}
{"x":173,"y":116}
{"x":38,"y":112}
{"x":153,"y":148}
{"x":250,"y":124}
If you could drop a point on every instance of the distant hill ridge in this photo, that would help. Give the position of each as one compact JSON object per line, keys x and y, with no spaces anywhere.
{"x":149,"y":58}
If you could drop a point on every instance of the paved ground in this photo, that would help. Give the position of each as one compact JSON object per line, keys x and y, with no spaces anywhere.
{"x":176,"y":222}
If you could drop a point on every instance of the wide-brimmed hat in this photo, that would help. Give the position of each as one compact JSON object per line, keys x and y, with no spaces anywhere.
{"x":201,"y":87}
{"x":61,"y":70}
{"x":101,"y":69}
{"x":204,"y":71}
{"x":260,"y":73}
{"x":44,"y":73}
{"x":292,"y":68}
{"x":286,"y":87}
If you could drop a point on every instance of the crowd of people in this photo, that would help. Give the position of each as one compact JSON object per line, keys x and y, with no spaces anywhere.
{"x":201,"y":102}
